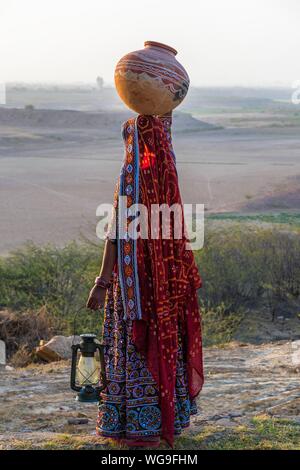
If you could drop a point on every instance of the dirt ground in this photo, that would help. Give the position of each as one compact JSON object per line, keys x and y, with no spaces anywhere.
{"x":242,"y":382}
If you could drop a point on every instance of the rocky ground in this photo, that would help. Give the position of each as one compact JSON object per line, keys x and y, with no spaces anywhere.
{"x":251,"y":399}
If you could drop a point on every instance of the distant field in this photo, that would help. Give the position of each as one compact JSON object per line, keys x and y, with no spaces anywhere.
{"x":292,"y":219}
{"x":58,"y":165}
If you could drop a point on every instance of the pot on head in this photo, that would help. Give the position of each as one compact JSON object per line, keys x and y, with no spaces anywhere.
{"x":151,"y":81}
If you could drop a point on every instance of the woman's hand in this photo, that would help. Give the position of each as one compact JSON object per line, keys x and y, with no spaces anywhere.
{"x":97,"y":295}
{"x":96,"y":298}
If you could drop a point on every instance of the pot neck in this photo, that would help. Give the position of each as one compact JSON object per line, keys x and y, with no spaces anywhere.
{"x":161,"y":47}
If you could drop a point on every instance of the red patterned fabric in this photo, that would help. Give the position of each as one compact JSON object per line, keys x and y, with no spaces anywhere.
{"x":168,"y":278}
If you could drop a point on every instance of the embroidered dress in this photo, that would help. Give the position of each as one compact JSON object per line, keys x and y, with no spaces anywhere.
{"x":152,"y":329}
{"x":130,"y":406}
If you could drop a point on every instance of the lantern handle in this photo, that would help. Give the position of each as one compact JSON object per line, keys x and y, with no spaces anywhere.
{"x":75,"y":319}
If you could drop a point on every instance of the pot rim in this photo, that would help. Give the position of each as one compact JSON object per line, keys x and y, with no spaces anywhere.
{"x":160,"y":45}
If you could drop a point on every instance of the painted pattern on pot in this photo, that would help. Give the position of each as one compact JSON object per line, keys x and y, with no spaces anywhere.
{"x":151,"y":80}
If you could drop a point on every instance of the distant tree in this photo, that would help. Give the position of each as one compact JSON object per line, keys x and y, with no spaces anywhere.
{"x":99,"y":81}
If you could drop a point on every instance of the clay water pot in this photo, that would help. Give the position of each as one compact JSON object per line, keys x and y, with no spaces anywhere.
{"x":151,"y":80}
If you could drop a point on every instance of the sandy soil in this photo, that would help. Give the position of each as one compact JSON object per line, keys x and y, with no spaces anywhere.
{"x":241,"y":382}
{"x":56,"y":167}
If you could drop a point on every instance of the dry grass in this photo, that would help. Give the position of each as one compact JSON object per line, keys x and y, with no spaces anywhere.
{"x":21,"y":333}
{"x":262,"y":433}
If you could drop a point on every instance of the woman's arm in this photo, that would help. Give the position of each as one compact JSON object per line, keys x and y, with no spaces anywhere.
{"x":97,"y":295}
{"x":108,"y":260}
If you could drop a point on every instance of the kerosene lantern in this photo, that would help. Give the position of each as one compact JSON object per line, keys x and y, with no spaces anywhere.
{"x":86,"y":370}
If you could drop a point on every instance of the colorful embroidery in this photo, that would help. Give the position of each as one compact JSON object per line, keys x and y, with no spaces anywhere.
{"x":130,"y":405}
{"x":157,"y":362}
{"x":127,"y":246}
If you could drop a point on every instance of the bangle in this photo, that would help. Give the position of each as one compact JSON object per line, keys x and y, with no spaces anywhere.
{"x":100,"y":282}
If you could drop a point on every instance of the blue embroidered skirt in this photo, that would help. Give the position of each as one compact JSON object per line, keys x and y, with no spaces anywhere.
{"x":129,"y":407}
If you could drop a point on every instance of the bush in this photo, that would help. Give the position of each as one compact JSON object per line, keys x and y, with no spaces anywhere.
{"x":58,"y":279}
{"x":21,"y":332}
{"x":242,"y":267}
{"x":218,"y":326}
{"x":23,"y":357}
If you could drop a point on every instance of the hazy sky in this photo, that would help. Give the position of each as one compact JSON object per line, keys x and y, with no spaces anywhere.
{"x":247,"y":42}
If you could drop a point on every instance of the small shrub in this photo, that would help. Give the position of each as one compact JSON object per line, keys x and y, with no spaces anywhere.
{"x":21,"y":332}
{"x":218,"y":326}
{"x":22,"y":357}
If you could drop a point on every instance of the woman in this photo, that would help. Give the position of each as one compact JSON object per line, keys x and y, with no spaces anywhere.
{"x":152,"y":330}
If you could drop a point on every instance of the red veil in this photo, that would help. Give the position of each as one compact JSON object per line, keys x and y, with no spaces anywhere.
{"x":158,"y":276}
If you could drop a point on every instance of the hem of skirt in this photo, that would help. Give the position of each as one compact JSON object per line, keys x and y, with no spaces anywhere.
{"x":126,"y":435}
{"x":123,"y":435}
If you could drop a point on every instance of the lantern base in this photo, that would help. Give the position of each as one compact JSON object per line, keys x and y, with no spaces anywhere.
{"x":88,"y":395}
